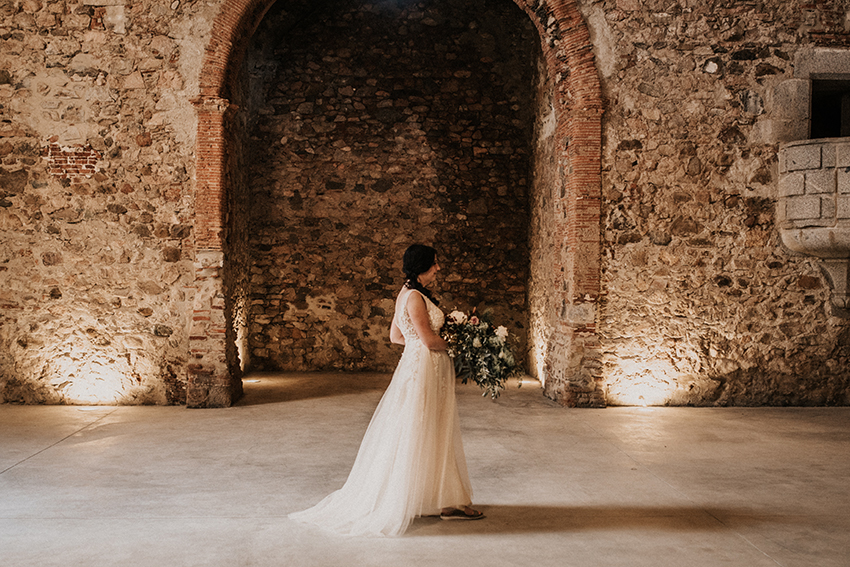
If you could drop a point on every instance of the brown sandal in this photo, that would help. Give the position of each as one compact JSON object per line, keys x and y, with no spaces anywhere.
{"x":458,"y":514}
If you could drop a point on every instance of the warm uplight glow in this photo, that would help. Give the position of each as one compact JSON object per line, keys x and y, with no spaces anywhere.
{"x":640,"y":394}
{"x":94,"y":384}
{"x":242,"y":345}
{"x":239,"y":325}
{"x":537,"y":362}
{"x":648,"y":383}
{"x":85,"y":376}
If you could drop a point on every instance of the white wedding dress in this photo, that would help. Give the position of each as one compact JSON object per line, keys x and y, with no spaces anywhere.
{"x":411,"y":460}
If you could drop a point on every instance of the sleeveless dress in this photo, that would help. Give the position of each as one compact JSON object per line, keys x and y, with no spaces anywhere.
{"x":411,"y":460}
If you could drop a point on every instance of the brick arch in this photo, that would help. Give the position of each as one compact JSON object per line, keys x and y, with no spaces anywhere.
{"x":566,"y":46}
{"x":231,"y":31}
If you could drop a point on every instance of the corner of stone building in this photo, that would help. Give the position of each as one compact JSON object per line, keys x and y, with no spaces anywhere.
{"x":573,"y":367}
{"x":210,"y":389}
{"x":213,"y":380}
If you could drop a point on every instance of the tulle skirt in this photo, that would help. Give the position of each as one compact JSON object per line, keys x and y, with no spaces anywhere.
{"x":411,"y":460}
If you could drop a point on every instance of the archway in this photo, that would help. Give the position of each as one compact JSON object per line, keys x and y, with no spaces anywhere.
{"x":568,"y":274}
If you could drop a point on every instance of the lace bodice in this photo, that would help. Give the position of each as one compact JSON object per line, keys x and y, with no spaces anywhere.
{"x":436,"y":317}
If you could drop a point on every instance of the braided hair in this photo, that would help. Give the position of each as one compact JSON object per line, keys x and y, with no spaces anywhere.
{"x":418,"y":259}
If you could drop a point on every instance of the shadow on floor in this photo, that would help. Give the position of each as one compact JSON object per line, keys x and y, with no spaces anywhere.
{"x":278,"y":387}
{"x":518,"y":519}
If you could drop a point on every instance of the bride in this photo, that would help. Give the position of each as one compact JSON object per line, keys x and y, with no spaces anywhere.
{"x":411,"y":460}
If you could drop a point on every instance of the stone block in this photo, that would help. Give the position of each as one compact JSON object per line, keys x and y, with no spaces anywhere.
{"x":790,"y":100}
{"x":581,"y":313}
{"x":842,"y":209}
{"x":802,"y":157}
{"x":820,"y":181}
{"x":781,"y":217}
{"x":822,"y":222}
{"x":798,"y":208}
{"x":777,"y":130}
{"x":792,"y":184}
{"x":827,"y":158}
{"x":842,"y":155}
{"x":827,"y":207}
{"x":821,"y":63}
{"x":843,"y":180}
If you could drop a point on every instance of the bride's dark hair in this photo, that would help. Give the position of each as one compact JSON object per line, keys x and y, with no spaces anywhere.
{"x":418,"y":259}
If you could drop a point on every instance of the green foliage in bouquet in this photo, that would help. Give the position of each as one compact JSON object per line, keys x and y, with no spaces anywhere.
{"x":480,"y":351}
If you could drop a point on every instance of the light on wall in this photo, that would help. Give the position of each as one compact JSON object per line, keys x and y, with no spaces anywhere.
{"x":648,"y":383}
{"x":92,"y":377}
{"x":242,"y":345}
{"x":640,"y":393}
{"x":537,"y":348}
{"x":89,"y":381}
{"x":240,"y":327}
{"x":538,"y":362}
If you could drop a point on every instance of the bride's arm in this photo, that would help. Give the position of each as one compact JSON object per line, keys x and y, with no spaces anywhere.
{"x":395,"y":334}
{"x":419,"y":316}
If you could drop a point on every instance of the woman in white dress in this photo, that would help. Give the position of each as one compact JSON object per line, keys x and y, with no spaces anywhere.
{"x":411,"y":460}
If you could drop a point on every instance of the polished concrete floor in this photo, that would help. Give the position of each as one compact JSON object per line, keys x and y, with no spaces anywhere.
{"x":625,"y":487}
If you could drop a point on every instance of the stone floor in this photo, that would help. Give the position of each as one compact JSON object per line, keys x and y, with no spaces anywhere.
{"x":618,"y":487}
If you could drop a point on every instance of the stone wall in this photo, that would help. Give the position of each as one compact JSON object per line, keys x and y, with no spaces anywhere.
{"x":543,"y":306}
{"x":96,"y":137}
{"x":814,"y":185}
{"x":380,"y":125}
{"x":129,"y":256}
{"x":703,"y":304}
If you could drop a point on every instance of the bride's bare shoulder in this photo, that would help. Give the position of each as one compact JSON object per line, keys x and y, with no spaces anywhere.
{"x":406,"y":295}
{"x":403,"y":295}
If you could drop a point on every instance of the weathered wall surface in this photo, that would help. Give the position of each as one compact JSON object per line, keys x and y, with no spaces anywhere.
{"x":543,"y":308}
{"x":703,"y":304}
{"x":96,"y":137}
{"x":374,"y":136}
{"x":378,"y":126}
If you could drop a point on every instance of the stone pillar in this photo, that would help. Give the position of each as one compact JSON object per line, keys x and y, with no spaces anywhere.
{"x":210,"y":382}
{"x":573,"y":362}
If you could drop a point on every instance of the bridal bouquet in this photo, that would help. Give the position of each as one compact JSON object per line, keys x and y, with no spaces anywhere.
{"x":480,"y":351}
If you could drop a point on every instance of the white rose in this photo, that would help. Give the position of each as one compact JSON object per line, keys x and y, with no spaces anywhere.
{"x":458,"y":317}
{"x":501,"y":332}
{"x":476,"y":342}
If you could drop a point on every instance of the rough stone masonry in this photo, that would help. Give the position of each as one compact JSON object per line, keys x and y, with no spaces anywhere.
{"x":354,"y":129}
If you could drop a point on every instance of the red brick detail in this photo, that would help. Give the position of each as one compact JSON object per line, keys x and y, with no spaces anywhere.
{"x":98,"y":14}
{"x":231,"y":33}
{"x":565,"y":40}
{"x":209,"y":174}
{"x":826,"y":19}
{"x":73,"y":163}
